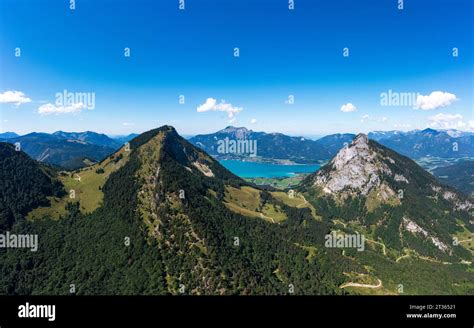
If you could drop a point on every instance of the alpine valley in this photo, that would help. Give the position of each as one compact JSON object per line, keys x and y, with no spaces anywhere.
{"x":161,"y":215}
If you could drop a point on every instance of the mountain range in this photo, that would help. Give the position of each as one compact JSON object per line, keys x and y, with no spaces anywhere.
{"x":162,"y":216}
{"x":414,"y":144}
{"x":428,"y":143}
{"x":69,"y":150}
{"x":8,"y":135}
{"x":89,"y":137}
{"x":73,"y":150}
{"x":273,"y":145}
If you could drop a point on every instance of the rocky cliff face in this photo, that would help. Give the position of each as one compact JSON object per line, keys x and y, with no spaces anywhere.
{"x":355,"y":167}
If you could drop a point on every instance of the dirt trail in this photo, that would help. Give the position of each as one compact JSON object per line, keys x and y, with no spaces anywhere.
{"x":354,"y":284}
{"x":377,"y":242}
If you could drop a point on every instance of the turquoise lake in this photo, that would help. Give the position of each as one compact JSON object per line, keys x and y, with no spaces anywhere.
{"x":266,"y":170}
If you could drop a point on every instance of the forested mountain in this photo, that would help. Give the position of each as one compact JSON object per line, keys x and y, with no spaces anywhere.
{"x":24,"y":185}
{"x":392,"y":198}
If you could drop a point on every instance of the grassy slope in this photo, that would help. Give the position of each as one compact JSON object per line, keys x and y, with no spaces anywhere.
{"x":86,"y":184}
{"x":297,"y":200}
{"x":465,"y":238}
{"x":246,"y":201}
{"x":279,"y":183}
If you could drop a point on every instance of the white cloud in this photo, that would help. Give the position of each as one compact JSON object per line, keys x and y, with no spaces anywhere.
{"x":450,"y":121}
{"x":49,"y":109}
{"x":436,"y":99}
{"x":212,"y":105}
{"x":128,"y":124}
{"x":14,"y":97}
{"x":253,"y":121}
{"x":207,"y":106}
{"x":348,"y":108}
{"x":441,"y":117}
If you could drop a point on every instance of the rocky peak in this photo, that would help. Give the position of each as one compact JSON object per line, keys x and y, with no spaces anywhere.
{"x":361,"y":138}
{"x":236,"y":132}
{"x":377,"y":178}
{"x":357,"y":167}
{"x":358,"y":150}
{"x":231,"y":129}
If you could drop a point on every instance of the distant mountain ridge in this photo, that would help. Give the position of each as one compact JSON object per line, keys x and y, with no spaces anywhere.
{"x":122,"y":139}
{"x":273,"y":145}
{"x":67,"y":151}
{"x":428,"y":143}
{"x":64,"y":148}
{"x":334,"y":142}
{"x":8,"y":135}
{"x":415,"y":144}
{"x":89,"y":137}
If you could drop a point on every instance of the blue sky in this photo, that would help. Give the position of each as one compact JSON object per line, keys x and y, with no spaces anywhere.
{"x":191,"y":52}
